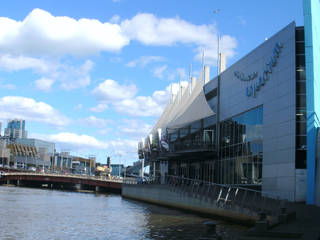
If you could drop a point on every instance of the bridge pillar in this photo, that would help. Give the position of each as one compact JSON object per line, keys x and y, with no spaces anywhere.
{"x":97,"y":189}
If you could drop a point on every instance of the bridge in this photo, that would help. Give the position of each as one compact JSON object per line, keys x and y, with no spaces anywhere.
{"x":61,"y":181}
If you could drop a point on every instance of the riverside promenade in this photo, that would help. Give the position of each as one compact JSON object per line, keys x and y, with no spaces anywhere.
{"x":268,"y":218}
{"x":232,"y":203}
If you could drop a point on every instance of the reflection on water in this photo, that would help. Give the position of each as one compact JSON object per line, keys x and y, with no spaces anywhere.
{"x":27,"y":213}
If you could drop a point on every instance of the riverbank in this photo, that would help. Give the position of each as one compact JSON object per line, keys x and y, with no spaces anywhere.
{"x":296,"y":221}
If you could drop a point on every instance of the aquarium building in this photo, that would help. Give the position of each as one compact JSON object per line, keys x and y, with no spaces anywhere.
{"x":255,"y":124}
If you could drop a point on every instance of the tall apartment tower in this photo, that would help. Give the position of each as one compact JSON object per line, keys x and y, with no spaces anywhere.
{"x":16,"y":129}
{"x":0,"y":128}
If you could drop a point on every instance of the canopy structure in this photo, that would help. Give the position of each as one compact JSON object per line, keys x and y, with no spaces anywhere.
{"x":189,"y":105}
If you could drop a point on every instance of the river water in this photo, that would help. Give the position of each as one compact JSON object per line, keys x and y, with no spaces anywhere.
{"x":29,"y":213}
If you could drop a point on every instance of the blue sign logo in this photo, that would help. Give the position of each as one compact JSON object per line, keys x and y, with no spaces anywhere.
{"x":264,"y":77}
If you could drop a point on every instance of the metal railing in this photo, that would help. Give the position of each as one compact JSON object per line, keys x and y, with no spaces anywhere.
{"x":228,"y":197}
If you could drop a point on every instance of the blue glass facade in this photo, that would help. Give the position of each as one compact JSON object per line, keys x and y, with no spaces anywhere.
{"x":241,"y":149}
{"x":17,"y":124}
{"x":312,"y":53}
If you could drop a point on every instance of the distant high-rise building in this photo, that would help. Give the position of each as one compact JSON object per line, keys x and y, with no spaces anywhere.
{"x":0,"y":128}
{"x":16,"y":129}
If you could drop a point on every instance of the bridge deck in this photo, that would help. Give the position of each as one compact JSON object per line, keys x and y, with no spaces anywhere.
{"x":115,"y":184}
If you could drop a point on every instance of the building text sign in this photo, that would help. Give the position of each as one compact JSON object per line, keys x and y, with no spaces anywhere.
{"x":264,"y":77}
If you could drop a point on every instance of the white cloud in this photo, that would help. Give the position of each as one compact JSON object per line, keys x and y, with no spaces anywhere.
{"x":110,"y":90}
{"x":104,"y":131}
{"x":94,"y":122}
{"x":74,"y":141}
{"x":227,"y":44}
{"x":150,"y":30}
{"x":139,"y":106}
{"x":69,"y":76}
{"x":7,"y":86}
{"x":134,"y":127}
{"x":115,"y":19}
{"x":124,"y":100}
{"x":99,"y":108}
{"x":31,"y":110}
{"x":174,"y":87}
{"x":145,"y":60}
{"x":179,"y":73}
{"x":40,"y":33}
{"x":15,"y":63}
{"x":44,"y":84}
{"x":161,"y":97}
{"x":73,"y":77}
{"x":79,"y":106}
{"x":82,"y":142}
{"x":159,"y":71}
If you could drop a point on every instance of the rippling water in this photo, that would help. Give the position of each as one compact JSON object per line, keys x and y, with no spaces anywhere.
{"x":28,"y":213}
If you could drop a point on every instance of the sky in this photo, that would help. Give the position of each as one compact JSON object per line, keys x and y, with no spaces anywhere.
{"x":94,"y":76}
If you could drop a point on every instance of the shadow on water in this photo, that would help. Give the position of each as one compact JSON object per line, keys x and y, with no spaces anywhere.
{"x":170,"y":223}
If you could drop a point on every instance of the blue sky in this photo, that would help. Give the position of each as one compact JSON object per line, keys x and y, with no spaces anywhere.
{"x":94,"y":76}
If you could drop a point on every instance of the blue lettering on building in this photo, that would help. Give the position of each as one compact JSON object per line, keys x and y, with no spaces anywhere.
{"x":264,"y":77}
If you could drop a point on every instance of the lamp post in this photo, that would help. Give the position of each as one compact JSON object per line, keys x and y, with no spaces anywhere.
{"x":144,"y":156}
{"x":218,"y":92}
{"x":217,"y":11}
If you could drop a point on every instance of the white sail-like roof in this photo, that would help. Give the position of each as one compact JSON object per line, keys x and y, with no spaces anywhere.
{"x":185,"y":109}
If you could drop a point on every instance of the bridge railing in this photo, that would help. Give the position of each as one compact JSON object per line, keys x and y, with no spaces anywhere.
{"x":226,"y":196}
{"x":62,"y":175}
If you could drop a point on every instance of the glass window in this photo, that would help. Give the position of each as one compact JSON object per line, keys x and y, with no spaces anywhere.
{"x":300,"y":34}
{"x":301,"y":101}
{"x":301,"y":87}
{"x":209,"y":121}
{"x":300,"y":48}
{"x":301,"y":128}
{"x":301,"y":73}
{"x":301,"y":159}
{"x":301,"y":115}
{"x":300,"y":60}
{"x":196,"y":126}
{"x":301,"y":142}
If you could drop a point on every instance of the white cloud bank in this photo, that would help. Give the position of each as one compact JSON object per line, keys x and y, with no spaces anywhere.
{"x":82,"y":142}
{"x":124,"y":99}
{"x":110,"y":90}
{"x":94,"y":122}
{"x":31,"y":110}
{"x":42,"y":34}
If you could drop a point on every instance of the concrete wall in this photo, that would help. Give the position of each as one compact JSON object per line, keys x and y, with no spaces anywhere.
{"x":278,"y":97}
{"x":162,"y":195}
